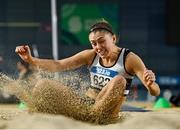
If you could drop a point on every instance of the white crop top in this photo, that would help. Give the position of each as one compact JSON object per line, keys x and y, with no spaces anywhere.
{"x":101,"y":75}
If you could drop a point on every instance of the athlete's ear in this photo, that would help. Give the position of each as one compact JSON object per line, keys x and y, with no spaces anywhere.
{"x":114,"y":39}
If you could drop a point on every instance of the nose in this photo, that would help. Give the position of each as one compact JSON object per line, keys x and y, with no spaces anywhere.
{"x":98,"y":46}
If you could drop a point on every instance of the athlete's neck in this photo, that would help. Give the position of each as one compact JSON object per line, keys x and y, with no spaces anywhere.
{"x":111,"y":58}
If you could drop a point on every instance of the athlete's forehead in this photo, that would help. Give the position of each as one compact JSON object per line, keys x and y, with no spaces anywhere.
{"x":97,"y":36}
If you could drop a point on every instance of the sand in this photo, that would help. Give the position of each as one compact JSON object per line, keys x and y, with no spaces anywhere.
{"x":47,"y":97}
{"x":11,"y":117}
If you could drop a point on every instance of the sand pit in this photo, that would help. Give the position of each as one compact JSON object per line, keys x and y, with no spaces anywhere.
{"x":12,"y":117}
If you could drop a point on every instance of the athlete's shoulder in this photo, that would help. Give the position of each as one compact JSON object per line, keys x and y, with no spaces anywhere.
{"x":132,"y":62}
{"x":88,"y":54}
{"x":132,"y":57}
{"x":89,"y":51}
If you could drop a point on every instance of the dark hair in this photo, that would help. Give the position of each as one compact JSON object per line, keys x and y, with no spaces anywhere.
{"x":101,"y":25}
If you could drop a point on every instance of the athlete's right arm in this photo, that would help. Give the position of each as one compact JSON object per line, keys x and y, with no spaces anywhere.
{"x":82,"y":58}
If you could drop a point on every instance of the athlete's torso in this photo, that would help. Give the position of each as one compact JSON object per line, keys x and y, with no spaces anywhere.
{"x":101,"y":75}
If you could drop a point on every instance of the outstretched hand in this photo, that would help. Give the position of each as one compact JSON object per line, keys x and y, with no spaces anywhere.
{"x":149,"y":77}
{"x":24,"y":52}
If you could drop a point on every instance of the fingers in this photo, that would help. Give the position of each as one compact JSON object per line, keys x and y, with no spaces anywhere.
{"x":22,"y":49}
{"x":149,"y":75}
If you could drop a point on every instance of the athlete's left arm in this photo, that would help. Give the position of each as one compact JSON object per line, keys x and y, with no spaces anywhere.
{"x":135,"y":65}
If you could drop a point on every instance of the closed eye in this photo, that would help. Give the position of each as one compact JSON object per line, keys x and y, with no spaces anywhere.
{"x":93,"y":43}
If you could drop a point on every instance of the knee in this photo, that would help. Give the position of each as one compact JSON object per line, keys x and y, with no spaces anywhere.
{"x":120,"y":81}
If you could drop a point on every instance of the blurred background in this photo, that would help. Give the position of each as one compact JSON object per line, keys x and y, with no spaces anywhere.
{"x":150,"y":28}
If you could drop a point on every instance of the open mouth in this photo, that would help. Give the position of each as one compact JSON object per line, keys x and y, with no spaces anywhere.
{"x":102,"y":53}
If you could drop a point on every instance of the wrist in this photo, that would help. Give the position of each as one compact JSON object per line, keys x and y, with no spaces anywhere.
{"x":154,"y":89}
{"x":31,"y":60}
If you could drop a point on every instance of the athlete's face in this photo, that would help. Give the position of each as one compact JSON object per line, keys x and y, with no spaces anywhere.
{"x":102,"y":42}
